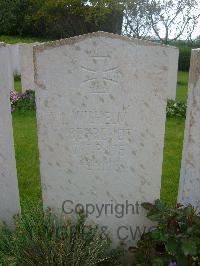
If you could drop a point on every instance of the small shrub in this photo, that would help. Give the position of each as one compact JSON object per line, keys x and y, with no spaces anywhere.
{"x":174,"y":241}
{"x":176,"y":109}
{"x":22,"y":101}
{"x":17,"y":77}
{"x":42,"y":238}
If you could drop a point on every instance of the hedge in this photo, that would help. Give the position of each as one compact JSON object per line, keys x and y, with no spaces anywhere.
{"x":184,"y":58}
{"x":58,"y":19}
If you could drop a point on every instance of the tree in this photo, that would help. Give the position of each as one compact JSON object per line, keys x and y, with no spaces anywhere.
{"x":173,"y":18}
{"x":136,"y":21}
{"x":59,"y":18}
{"x":66,"y":18}
{"x":7,"y":16}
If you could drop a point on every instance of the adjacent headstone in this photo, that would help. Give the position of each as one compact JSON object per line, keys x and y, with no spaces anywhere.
{"x":9,"y":66}
{"x":27,"y":70}
{"x":189,"y":190}
{"x":15,"y":60}
{"x":9,"y":196}
{"x":172,"y":75}
{"x":11,"y":84}
{"x":101,"y":108}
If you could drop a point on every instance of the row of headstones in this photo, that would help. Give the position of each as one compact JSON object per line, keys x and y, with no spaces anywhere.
{"x":21,"y":60}
{"x":101,"y":110}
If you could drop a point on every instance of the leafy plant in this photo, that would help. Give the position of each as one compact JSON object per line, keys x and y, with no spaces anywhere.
{"x":17,"y":77}
{"x":22,"y":101}
{"x":43,"y":238}
{"x":174,"y":241}
{"x":176,"y":108}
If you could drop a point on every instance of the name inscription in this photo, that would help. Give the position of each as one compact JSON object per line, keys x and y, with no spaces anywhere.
{"x":101,"y":144}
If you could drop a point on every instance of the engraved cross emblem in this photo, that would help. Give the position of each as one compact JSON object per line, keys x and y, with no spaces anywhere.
{"x":101,"y":77}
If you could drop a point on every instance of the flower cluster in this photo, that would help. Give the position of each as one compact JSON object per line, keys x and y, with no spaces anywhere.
{"x":22,"y":101}
{"x":172,"y":264}
{"x":14,"y":97}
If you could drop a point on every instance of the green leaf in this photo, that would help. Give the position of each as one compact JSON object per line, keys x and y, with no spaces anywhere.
{"x":189,"y":210}
{"x":171,"y":246}
{"x":189,"y":247}
{"x":147,"y":205}
{"x":193,"y":230}
{"x":197,"y":220}
{"x":181,"y":260}
{"x":159,"y":235}
{"x":154,"y":217}
{"x":157,"y":262}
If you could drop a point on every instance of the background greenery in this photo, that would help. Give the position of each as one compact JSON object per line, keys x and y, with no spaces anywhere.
{"x":58,"y":19}
{"x":185,"y":48}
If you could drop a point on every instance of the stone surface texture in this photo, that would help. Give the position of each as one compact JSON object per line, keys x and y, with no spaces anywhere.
{"x":172,"y":75}
{"x":101,"y":108}
{"x":189,"y":190}
{"x":26,"y":63}
{"x":9,"y":196}
{"x":15,"y":59}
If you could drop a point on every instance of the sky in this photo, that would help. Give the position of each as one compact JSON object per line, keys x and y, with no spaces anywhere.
{"x":195,"y":34}
{"x":180,"y":17}
{"x":197,"y":30}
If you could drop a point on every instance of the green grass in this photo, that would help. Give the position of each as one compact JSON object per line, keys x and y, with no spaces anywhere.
{"x":17,"y":39}
{"x":26,"y":150}
{"x":172,"y":159}
{"x":18,"y":86}
{"x":182,"y":86}
{"x":25,"y":134}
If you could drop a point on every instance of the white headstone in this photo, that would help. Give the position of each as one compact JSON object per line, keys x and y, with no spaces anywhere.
{"x":9,"y":196}
{"x":15,"y":60}
{"x":189,"y":190}
{"x":101,"y":108}
{"x":9,"y":66}
{"x":172,"y":75}
{"x":26,"y":62}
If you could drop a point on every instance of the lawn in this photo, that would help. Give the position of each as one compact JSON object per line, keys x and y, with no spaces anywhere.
{"x":173,"y":146}
{"x":18,"y":86}
{"x":182,"y":85}
{"x":172,"y":159}
{"x":25,"y":135}
{"x":17,"y":39}
{"x":26,"y":150}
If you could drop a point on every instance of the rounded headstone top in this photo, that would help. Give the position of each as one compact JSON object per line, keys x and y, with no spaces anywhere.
{"x":73,"y":40}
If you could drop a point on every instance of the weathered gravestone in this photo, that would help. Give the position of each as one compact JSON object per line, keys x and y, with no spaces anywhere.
{"x":10,"y":81}
{"x":15,"y":60}
{"x":101,"y":107}
{"x":9,"y":197}
{"x":189,"y":190}
{"x":26,"y":63}
{"x":172,"y":74}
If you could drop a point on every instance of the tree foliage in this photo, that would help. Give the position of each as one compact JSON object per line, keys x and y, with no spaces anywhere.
{"x":59,"y":18}
{"x":136,"y":21}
